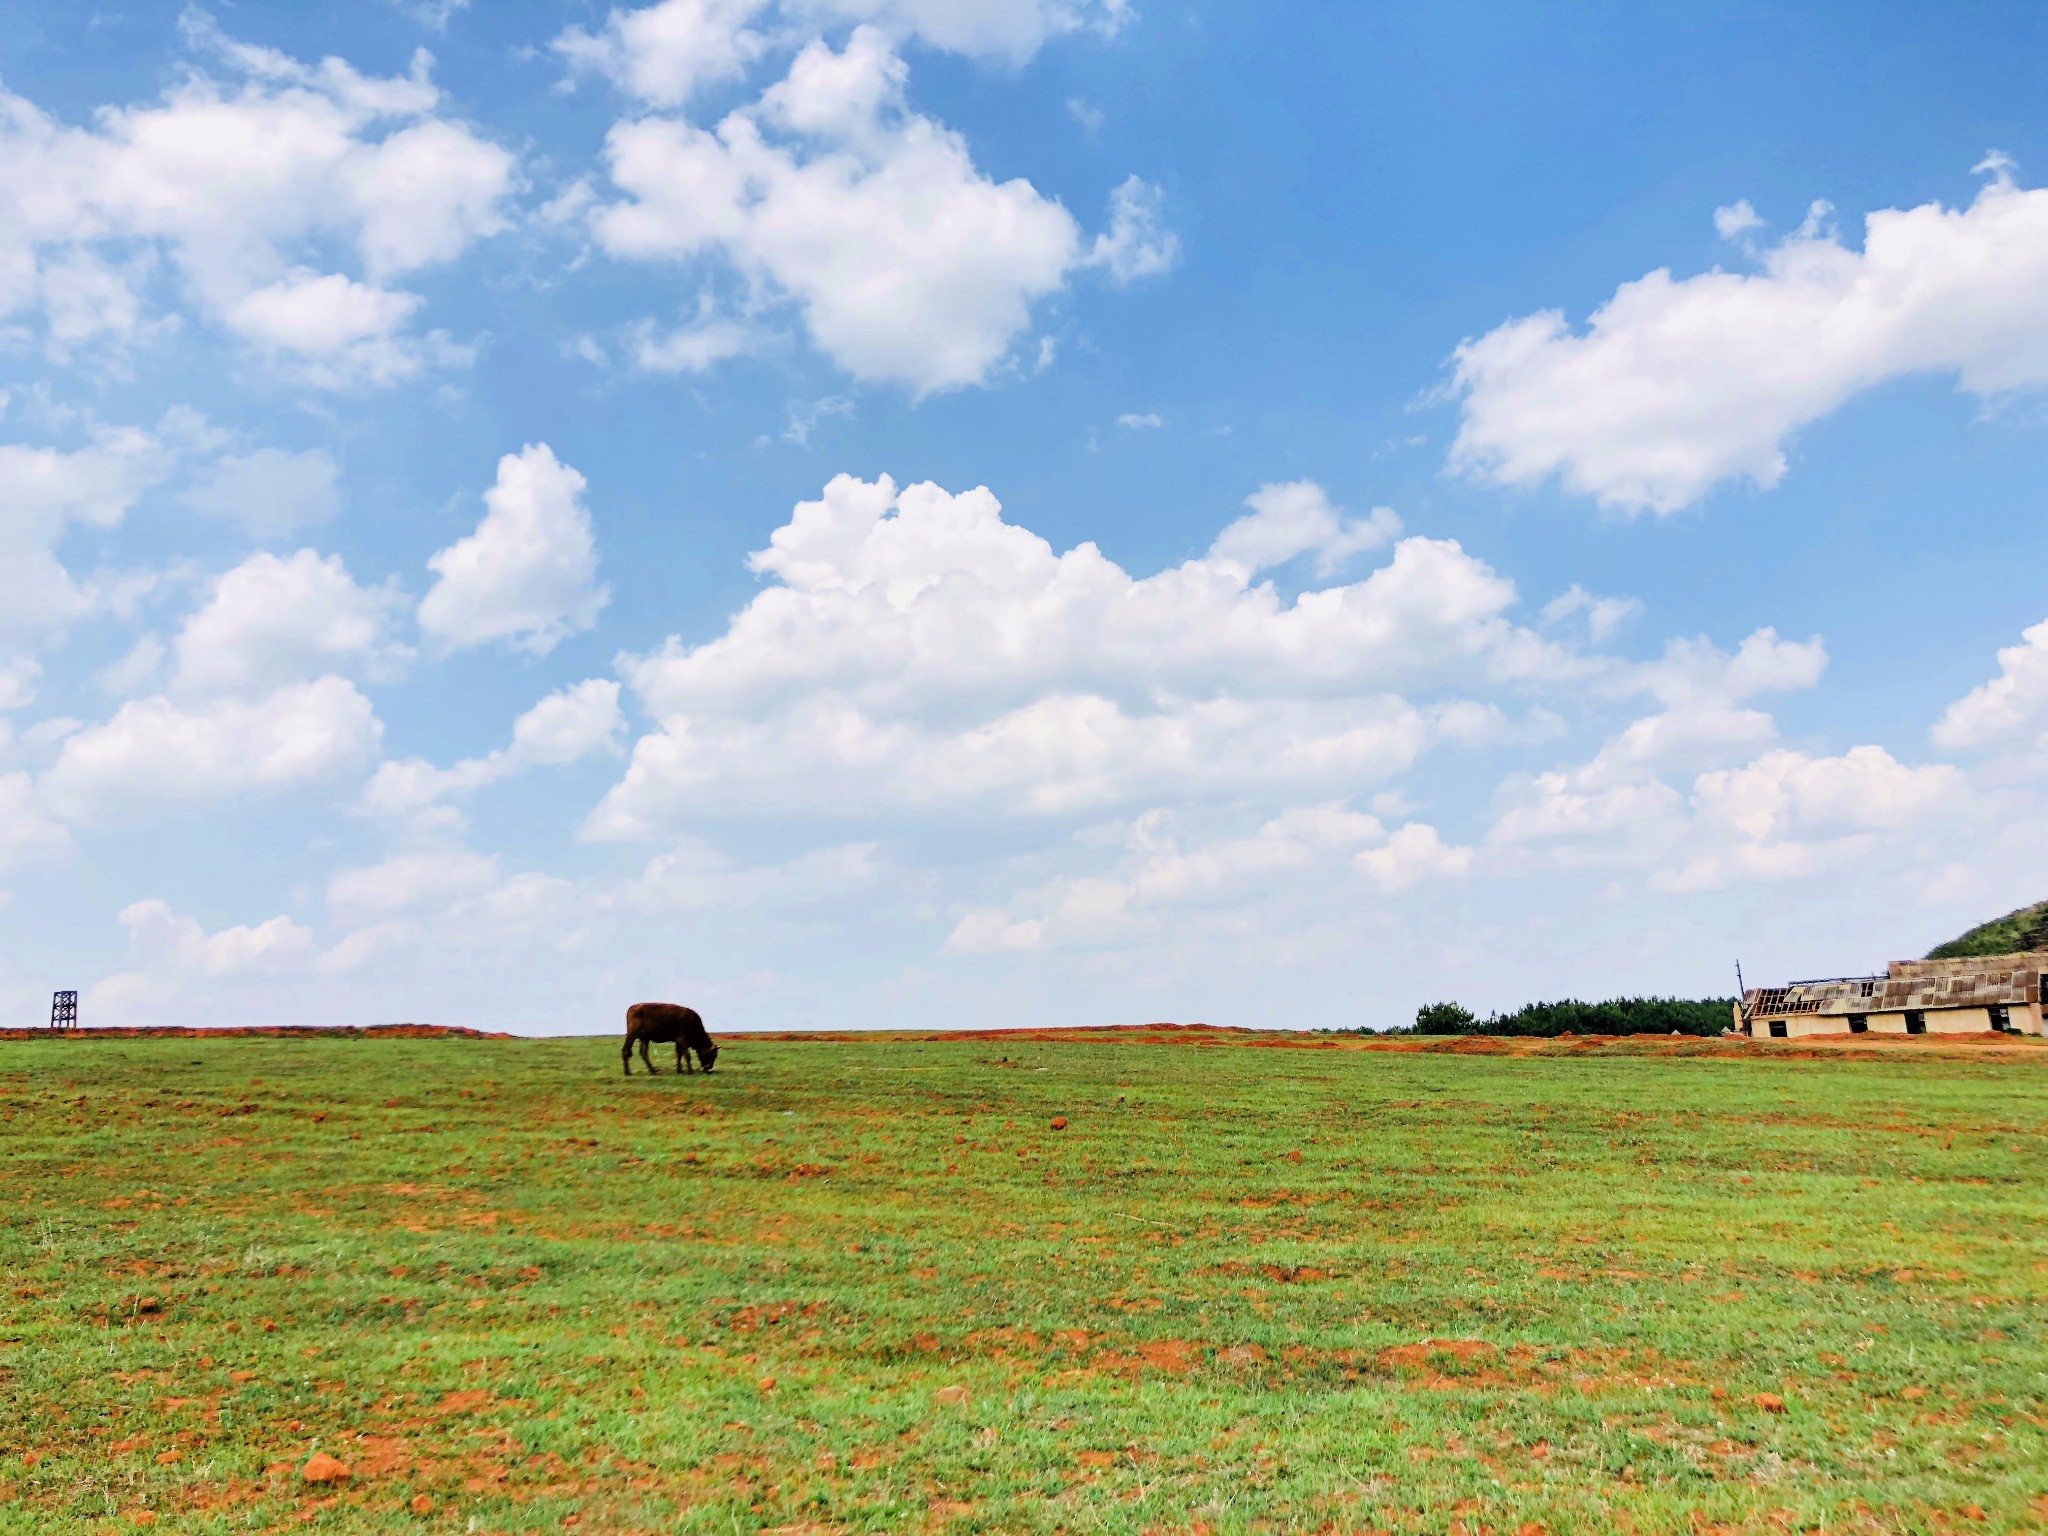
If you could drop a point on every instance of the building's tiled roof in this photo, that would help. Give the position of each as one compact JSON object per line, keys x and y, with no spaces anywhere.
{"x":1969,"y":983}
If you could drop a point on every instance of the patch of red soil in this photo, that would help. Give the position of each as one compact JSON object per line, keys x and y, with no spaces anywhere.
{"x":1414,"y":1356}
{"x":323,"y":1468}
{"x":1168,"y":1357}
{"x":1293,"y":1274}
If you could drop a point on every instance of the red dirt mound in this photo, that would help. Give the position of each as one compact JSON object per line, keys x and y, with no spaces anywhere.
{"x":266,"y":1031}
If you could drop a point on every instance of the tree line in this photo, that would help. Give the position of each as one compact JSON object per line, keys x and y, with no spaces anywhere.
{"x":1616,"y":1016}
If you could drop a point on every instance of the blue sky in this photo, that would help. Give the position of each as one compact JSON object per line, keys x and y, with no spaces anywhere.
{"x":882,"y":512}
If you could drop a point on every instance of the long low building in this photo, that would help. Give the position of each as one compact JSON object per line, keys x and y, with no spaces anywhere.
{"x":1913,"y":997}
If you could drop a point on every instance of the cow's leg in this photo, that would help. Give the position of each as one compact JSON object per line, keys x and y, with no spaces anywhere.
{"x":646,"y":1061}
{"x":682,"y":1061}
{"x":626,"y":1056}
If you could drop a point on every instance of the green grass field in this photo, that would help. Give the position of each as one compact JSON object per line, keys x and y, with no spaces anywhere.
{"x":869,"y":1287}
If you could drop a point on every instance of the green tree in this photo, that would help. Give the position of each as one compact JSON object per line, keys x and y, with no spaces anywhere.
{"x":1444,"y":1019}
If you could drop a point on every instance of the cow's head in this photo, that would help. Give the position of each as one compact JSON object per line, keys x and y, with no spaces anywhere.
{"x":708,"y":1055}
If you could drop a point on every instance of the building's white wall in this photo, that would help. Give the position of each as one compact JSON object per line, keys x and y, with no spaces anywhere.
{"x":1958,"y":1021}
{"x":1940,"y":1021}
{"x":1813,"y":1024}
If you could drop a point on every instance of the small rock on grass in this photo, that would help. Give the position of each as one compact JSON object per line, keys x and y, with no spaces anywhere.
{"x":953,"y":1396}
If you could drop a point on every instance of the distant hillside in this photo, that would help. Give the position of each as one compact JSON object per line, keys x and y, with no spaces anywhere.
{"x":2024,"y":929}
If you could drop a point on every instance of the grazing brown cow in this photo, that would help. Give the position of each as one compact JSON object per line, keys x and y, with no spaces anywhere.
{"x":662,"y":1023}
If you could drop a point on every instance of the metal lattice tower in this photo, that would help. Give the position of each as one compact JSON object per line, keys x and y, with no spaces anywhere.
{"x":64,"y":1010}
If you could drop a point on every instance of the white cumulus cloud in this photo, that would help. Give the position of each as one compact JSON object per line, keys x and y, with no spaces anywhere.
{"x":1784,"y":791}
{"x":273,"y":620}
{"x":157,"y":751}
{"x":1162,"y":875}
{"x":1295,"y":519}
{"x":1736,"y":219}
{"x":527,"y":577}
{"x":917,"y":650}
{"x":664,"y":54}
{"x":1677,"y":384}
{"x":259,"y":189}
{"x":906,"y":264}
{"x":829,"y":195}
{"x":565,"y":727}
{"x":1697,"y":796}
{"x":1788,"y":814}
{"x":1414,"y":853}
{"x":2010,"y":707}
{"x":1619,"y":805}
{"x":44,"y":493}
{"x":1137,"y":243}
{"x":158,"y":930}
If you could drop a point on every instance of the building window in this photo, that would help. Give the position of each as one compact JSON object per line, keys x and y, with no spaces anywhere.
{"x":1870,"y":989}
{"x":1859,"y":1023}
{"x":1916,"y":1022}
{"x":1777,"y":1029}
{"x":2001,"y":1018}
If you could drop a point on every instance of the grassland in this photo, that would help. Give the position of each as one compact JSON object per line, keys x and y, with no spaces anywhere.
{"x":873,"y":1287}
